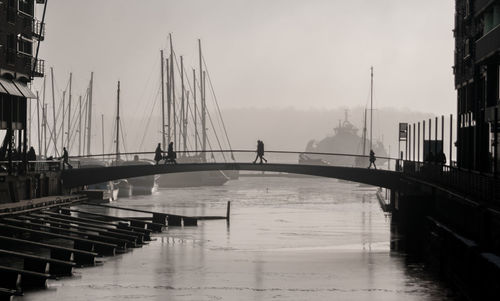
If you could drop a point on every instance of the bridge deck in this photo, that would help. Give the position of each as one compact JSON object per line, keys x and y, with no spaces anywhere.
{"x":86,"y":176}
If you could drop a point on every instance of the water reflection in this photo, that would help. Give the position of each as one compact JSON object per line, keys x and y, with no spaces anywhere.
{"x":289,"y":239}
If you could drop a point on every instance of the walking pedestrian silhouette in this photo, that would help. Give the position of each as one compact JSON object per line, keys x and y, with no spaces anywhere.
{"x":260,"y":152}
{"x":171,"y":154}
{"x":372,"y":159}
{"x":158,"y":154}
{"x":65,"y":159}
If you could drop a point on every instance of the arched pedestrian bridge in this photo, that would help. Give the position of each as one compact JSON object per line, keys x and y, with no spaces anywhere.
{"x":86,"y":176}
{"x":448,"y":179}
{"x":319,"y":164}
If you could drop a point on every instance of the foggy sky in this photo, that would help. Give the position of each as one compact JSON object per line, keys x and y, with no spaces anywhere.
{"x":263,"y":53}
{"x":260,"y":53}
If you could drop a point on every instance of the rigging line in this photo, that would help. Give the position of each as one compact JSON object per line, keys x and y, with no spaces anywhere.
{"x":151,"y":95}
{"x":217,"y":104}
{"x":85,"y":129}
{"x":217,"y":137}
{"x":189,"y":85}
{"x":149,"y":120}
{"x":189,"y":109}
{"x":124,"y":142}
{"x":188,"y":139}
{"x":214,"y":100}
{"x":76,"y":121}
{"x":110,"y":147}
{"x":192,"y":116}
{"x":209,"y":117}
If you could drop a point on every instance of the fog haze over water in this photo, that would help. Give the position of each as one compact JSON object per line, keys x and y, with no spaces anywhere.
{"x":281,"y":53}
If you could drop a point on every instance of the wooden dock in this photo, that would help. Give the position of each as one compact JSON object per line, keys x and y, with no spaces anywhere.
{"x":47,"y":238}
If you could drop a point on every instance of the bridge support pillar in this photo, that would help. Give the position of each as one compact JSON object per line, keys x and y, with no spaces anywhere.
{"x":410,"y":204}
{"x":174,"y":220}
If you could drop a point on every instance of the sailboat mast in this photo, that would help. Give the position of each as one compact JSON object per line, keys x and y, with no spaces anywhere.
{"x":80,"y":126}
{"x":54,"y":131}
{"x":44,"y":125}
{"x":172,"y":87}
{"x":371,"y":109}
{"x":195,"y":113}
{"x":102,"y":134}
{"x":118,"y":122}
{"x":63,"y":118}
{"x":162,"y":102}
{"x":182,"y":121}
{"x":185,"y":124}
{"x":169,"y":102}
{"x":89,"y":124}
{"x":202,"y":95}
{"x":69,"y":109}
{"x":38,"y":121}
{"x":364,"y":134}
{"x":204,"y":115}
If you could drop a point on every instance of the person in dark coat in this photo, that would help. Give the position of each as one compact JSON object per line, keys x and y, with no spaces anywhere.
{"x":65,"y":158}
{"x":431,"y":158}
{"x":171,"y":155}
{"x":372,"y":159}
{"x":260,"y":152}
{"x":441,"y":158}
{"x":31,"y":154}
{"x":158,"y":154}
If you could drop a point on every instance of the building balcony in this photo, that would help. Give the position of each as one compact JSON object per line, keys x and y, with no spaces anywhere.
{"x":38,"y":67}
{"x":31,"y":66}
{"x":489,"y":44}
{"x":38,"y":30}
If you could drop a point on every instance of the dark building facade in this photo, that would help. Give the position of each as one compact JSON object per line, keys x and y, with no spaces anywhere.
{"x":476,"y":69}
{"x":19,"y":34}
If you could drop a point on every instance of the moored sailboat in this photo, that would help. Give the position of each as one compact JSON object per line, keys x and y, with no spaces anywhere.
{"x":177,"y":127}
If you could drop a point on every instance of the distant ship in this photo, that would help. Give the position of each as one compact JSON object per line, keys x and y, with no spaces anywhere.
{"x":345,"y":140}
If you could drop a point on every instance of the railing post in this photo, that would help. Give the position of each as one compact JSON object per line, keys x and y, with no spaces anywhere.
{"x":436,"y":138}
{"x":430,"y":135}
{"x":408,"y":140}
{"x":414,"y":142}
{"x":451,"y":139}
{"x":423,"y":140}
{"x":418,"y":143}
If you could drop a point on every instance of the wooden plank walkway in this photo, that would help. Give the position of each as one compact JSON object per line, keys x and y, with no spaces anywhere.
{"x":49,"y":236}
{"x":39,"y":203}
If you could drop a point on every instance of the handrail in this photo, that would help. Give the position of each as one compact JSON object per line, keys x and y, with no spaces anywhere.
{"x":479,"y":186}
{"x":234,"y":151}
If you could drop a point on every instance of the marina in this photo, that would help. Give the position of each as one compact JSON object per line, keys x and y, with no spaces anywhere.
{"x":119,"y":179}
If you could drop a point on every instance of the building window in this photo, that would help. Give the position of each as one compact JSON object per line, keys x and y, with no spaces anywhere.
{"x":25,"y":46}
{"x":491,"y":18}
{"x":467,"y":8}
{"x":26,"y":7}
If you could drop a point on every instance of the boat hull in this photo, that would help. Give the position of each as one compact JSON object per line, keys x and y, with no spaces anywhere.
{"x":192,"y":179}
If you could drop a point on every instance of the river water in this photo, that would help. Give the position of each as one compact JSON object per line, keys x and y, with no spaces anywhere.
{"x":288,"y":239}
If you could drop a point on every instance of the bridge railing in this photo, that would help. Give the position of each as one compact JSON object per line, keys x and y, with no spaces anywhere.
{"x":478,"y":186}
{"x":38,"y":166}
{"x":272,"y":156}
